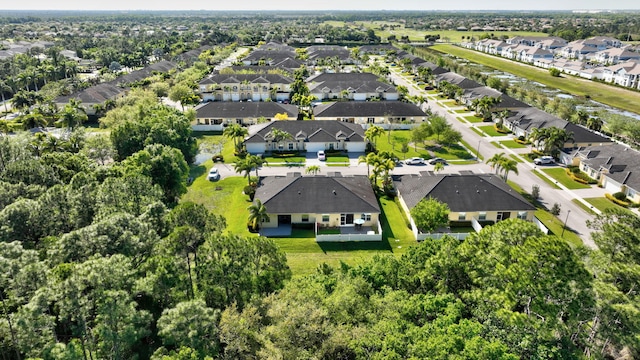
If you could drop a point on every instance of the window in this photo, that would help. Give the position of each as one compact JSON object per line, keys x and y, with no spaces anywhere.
{"x":366,"y":217}
{"x":462,"y":216}
{"x":482,"y":216}
{"x":371,"y":120}
{"x":216,"y":121}
{"x":522,"y":215}
{"x":290,"y":146}
{"x":305,"y":217}
{"x":325,"y":217}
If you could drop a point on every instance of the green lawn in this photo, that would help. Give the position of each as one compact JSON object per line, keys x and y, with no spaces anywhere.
{"x":477,"y":131}
{"x":461,"y":111}
{"x":490,"y":130}
{"x":290,"y":160}
{"x":602,"y":203}
{"x":472,"y":149}
{"x":473,"y":119}
{"x":587,"y":209}
{"x":516,"y":158}
{"x":496,"y":144}
{"x":222,"y":197}
{"x":600,"y":92}
{"x":560,"y":175}
{"x":545,"y":179}
{"x":512,"y":144}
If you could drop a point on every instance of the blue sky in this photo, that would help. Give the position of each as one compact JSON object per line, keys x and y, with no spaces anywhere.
{"x":318,"y":5}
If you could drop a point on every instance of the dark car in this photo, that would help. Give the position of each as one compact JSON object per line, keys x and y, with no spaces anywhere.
{"x":438,"y":161}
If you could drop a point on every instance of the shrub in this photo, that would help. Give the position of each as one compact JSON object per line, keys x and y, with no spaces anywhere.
{"x":620,"y":196}
{"x":218,"y":158}
{"x":535,"y":191}
{"x":555,"y":210}
{"x":619,"y":202}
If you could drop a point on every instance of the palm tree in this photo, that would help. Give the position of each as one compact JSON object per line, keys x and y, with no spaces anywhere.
{"x":4,"y":87}
{"x":313,"y":169}
{"x":4,"y":127}
{"x":384,"y":166}
{"x":507,"y":166}
{"x":32,"y":120}
{"x":595,"y":123}
{"x":235,"y":131}
{"x":256,"y":162}
{"x":257,"y":214}
{"x":538,"y":136}
{"x":73,"y":115}
{"x":557,"y":140}
{"x":242,"y":165}
{"x":496,"y":161}
{"x":279,"y":136}
{"x":438,"y":167}
{"x":373,"y":133}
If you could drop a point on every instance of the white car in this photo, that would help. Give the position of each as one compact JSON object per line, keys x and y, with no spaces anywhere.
{"x":213,"y":174}
{"x":543,"y":160}
{"x":321,"y":156}
{"x":414,"y":161}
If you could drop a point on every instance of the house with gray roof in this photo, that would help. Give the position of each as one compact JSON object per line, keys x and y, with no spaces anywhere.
{"x":242,"y":87}
{"x":473,"y":199}
{"x":381,"y":113}
{"x":352,"y":86}
{"x":309,"y":135}
{"x":319,"y":201}
{"x":616,"y":167}
{"x":522,"y":123}
{"x":457,"y":80}
{"x":215,"y":116}
{"x":506,"y":101}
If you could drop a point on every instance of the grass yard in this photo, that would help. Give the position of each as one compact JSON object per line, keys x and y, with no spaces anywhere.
{"x":393,"y":143}
{"x":222,"y":197}
{"x":472,"y":149}
{"x":560,"y":175}
{"x":473,"y":119}
{"x":461,"y":111}
{"x":213,"y":140}
{"x":496,"y":144}
{"x":477,"y":131}
{"x":516,"y":158}
{"x":546,"y":180}
{"x":490,"y":130}
{"x":285,"y":161}
{"x":606,"y":94}
{"x":602,"y":203}
{"x":512,"y":144}
{"x":587,"y":209}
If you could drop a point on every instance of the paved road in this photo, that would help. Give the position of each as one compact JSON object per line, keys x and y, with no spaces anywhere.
{"x":577,"y":217}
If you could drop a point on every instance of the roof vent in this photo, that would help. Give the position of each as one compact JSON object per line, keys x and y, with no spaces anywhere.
{"x":334,"y":192}
{"x":299,"y":192}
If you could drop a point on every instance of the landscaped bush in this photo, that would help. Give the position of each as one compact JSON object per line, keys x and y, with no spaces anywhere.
{"x":285,"y":154}
{"x":620,"y":196}
{"x":501,"y":129}
{"x":522,"y":140}
{"x":619,"y":202}
{"x":576,"y":175}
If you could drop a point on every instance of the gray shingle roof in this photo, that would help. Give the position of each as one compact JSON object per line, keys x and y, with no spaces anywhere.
{"x":462,"y":193}
{"x":367,"y":109}
{"x":458,"y":80}
{"x":357,"y":82}
{"x":316,"y":130}
{"x":251,"y":78}
{"x":256,"y":109}
{"x":621,"y":162}
{"x":317,"y":195}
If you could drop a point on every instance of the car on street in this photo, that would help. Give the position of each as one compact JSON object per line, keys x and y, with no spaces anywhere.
{"x":414,"y":161}
{"x":438,"y":161}
{"x":544,"y":160}
{"x":321,"y":155}
{"x":213,"y":174}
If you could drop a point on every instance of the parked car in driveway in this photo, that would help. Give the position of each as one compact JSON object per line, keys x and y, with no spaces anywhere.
{"x":414,"y":161}
{"x":321,"y":155}
{"x":438,"y":160}
{"x":544,"y":160}
{"x":213,"y":174}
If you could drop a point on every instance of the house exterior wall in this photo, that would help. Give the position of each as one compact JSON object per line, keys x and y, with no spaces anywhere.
{"x":334,"y":219}
{"x":492,"y":215}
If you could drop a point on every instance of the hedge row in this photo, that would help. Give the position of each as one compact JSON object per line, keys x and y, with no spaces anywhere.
{"x":581,"y":178}
{"x":619,"y":202}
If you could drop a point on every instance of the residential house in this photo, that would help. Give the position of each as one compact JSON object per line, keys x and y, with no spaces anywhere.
{"x":473,"y":199}
{"x":322,"y":53}
{"x":506,"y":101}
{"x":380,"y":49}
{"x":268,"y":57}
{"x":352,"y":86}
{"x":532,"y":54}
{"x":624,"y":74}
{"x":582,"y":49}
{"x":616,"y":167}
{"x":383,"y":113}
{"x":522,"y":123}
{"x":319,"y":201}
{"x":458,"y":80}
{"x":616,"y":55}
{"x":532,"y":40}
{"x":491,"y":46}
{"x":242,"y":87}
{"x":311,"y":136}
{"x":214,"y":116}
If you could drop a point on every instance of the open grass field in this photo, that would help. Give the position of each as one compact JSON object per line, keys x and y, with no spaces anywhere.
{"x":606,"y":94}
{"x":393,"y":142}
{"x":560,"y":175}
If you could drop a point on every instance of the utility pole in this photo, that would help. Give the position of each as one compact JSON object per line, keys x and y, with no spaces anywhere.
{"x":565,"y":223}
